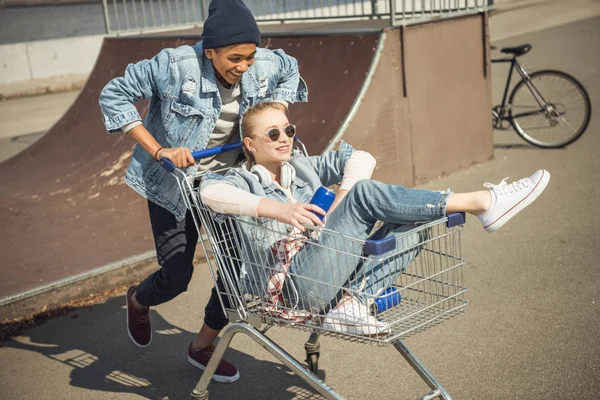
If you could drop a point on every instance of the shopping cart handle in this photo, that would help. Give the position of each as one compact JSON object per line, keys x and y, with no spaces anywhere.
{"x":169,"y":166}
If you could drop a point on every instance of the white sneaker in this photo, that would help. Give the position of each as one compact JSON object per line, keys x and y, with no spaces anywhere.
{"x":353,"y":317}
{"x":509,"y":199}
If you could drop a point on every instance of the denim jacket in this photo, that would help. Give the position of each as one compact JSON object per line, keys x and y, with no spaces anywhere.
{"x":258,"y":234}
{"x":184,"y":107}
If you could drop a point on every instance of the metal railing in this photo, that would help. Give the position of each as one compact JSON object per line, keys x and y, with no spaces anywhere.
{"x":407,"y":12}
{"x":143,"y":16}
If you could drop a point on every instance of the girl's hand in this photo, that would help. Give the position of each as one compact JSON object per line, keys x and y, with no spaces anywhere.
{"x":296,"y":214}
{"x":180,"y":156}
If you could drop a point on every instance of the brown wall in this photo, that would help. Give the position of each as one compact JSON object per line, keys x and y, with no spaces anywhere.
{"x":382,"y":124}
{"x":443,"y":123}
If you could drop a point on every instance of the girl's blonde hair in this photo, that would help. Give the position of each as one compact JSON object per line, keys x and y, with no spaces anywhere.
{"x":247,"y":123}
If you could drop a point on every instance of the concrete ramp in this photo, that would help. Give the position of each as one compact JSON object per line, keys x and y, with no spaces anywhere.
{"x":64,"y":209}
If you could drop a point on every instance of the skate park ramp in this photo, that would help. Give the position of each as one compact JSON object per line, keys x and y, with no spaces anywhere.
{"x":64,"y":208}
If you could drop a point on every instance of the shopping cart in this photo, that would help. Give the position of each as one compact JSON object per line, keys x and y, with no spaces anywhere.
{"x":258,"y":289}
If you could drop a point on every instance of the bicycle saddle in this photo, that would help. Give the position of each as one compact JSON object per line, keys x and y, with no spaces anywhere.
{"x":517,"y":50}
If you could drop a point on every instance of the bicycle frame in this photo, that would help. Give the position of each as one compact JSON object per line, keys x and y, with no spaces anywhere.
{"x":504,"y":110}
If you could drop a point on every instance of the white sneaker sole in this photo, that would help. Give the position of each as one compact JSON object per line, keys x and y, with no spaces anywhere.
{"x":127,"y":326}
{"x":360,"y":330}
{"x":530,"y":198}
{"x":216,"y":378}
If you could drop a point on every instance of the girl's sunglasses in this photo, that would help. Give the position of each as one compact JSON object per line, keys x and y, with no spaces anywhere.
{"x":289,"y":130}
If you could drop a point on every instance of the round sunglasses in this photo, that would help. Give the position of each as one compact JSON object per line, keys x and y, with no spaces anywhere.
{"x":274,"y":133}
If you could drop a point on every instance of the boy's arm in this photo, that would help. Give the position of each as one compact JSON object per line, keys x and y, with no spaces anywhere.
{"x":140,"y":81}
{"x":117,"y":103}
{"x":180,"y":156}
{"x":290,"y":86}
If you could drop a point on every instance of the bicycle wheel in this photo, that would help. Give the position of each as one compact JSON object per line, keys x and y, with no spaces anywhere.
{"x":553,"y":110}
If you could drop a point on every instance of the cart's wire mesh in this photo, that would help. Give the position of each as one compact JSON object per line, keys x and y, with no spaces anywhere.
{"x":426,"y":268}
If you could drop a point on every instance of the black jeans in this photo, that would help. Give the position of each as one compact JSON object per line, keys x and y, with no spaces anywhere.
{"x":175,"y":243}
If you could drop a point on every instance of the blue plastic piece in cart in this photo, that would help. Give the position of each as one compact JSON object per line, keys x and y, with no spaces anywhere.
{"x":455,"y":219}
{"x":389,"y":298}
{"x":169,"y":166}
{"x":379,"y":247}
{"x":382,"y":246}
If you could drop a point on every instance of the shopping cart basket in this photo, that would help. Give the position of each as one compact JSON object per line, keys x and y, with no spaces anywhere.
{"x":258,"y":289}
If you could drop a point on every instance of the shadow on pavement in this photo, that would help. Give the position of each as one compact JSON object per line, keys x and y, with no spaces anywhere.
{"x":93,"y":341}
{"x":522,"y":146}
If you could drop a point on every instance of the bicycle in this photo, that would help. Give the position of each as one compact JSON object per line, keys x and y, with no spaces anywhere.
{"x":538,"y":113}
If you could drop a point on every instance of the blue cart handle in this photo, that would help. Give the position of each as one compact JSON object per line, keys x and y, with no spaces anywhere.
{"x":169,"y":166}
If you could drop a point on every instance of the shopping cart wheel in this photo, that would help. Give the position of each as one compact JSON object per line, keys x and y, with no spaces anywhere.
{"x":313,"y":362}
{"x":312,"y":348}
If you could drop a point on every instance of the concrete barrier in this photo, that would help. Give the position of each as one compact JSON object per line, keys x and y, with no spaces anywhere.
{"x":15,"y":63}
{"x":22,"y":62}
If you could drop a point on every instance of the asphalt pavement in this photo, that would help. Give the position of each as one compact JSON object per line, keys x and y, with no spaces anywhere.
{"x":530,"y":330}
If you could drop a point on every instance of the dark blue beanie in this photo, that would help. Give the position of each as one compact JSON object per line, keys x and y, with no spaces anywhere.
{"x":229,"y":22}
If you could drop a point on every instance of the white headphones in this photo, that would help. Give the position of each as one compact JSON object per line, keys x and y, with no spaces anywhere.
{"x":288,"y":175}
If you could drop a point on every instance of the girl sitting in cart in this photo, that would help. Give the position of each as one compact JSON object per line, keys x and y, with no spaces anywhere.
{"x":270,"y":195}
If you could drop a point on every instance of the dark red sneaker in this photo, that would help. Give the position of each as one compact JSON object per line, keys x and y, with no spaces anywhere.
{"x":138,"y":322}
{"x":225,"y":373}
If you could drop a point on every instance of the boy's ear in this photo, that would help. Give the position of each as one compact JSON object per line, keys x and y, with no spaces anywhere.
{"x":208,"y":53}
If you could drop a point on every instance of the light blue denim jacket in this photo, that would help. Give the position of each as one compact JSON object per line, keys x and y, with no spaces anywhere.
{"x":184,"y":107}
{"x":258,"y":234}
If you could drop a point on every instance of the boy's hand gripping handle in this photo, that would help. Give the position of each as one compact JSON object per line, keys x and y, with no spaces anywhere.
{"x":169,"y":166}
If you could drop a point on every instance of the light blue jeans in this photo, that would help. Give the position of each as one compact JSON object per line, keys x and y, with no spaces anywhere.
{"x":319,"y":273}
